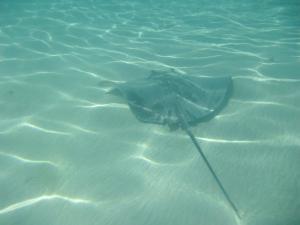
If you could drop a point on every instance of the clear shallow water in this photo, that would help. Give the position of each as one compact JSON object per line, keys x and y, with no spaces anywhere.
{"x":70,"y":154}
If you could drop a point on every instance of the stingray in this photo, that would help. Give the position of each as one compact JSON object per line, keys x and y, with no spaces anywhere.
{"x":178,"y":101}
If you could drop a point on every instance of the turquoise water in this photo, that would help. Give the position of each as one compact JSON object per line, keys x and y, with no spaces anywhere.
{"x":71,"y":154}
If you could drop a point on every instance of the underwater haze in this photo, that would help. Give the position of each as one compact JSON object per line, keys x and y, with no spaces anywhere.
{"x":71,"y":154}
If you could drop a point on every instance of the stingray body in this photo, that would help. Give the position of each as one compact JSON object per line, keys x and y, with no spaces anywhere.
{"x":178,"y":101}
{"x":163,"y":96}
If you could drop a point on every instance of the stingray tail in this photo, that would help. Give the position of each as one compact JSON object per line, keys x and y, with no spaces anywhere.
{"x":185,"y":127}
{"x":212,"y":171}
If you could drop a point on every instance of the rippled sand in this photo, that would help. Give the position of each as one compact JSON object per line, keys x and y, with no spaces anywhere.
{"x":71,"y":154}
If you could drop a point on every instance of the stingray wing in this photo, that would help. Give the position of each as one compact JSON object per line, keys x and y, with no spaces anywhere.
{"x":201,"y":98}
{"x":147,"y":99}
